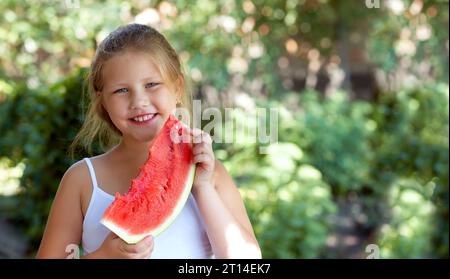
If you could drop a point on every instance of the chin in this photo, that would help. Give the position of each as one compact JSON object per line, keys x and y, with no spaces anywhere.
{"x":146,"y":137}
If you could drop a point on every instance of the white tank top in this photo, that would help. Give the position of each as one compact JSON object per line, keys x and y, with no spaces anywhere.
{"x":185,"y":238}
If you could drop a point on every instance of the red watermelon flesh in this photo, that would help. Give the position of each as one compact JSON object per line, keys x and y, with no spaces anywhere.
{"x":160,"y":191}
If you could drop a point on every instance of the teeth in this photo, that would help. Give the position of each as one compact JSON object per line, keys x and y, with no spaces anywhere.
{"x":143,"y":118}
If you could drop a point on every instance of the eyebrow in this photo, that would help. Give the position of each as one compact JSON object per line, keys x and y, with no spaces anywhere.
{"x":124,"y":84}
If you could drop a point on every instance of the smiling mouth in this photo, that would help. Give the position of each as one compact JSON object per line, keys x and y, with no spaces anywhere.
{"x":143,"y":119}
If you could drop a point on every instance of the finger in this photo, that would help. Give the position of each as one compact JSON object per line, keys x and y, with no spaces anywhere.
{"x":202,"y":158}
{"x":133,"y":248}
{"x":145,"y":243}
{"x":204,"y":137}
{"x":129,"y":248}
{"x":195,"y":131}
{"x":201,"y":148}
{"x":203,"y":140}
{"x":149,"y":251}
{"x":112,"y":235}
{"x":197,"y":139}
{"x":201,"y":136}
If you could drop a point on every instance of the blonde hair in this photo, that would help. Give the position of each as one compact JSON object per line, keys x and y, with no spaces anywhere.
{"x":134,"y":37}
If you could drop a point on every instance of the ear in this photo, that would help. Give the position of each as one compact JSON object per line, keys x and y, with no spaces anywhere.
{"x":180,"y":82}
{"x":99,"y":99}
{"x":179,"y":99}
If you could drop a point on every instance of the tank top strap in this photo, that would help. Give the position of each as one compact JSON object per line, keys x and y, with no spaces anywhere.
{"x":92,"y":173}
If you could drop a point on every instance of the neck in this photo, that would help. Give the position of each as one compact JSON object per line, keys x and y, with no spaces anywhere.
{"x":134,"y":152}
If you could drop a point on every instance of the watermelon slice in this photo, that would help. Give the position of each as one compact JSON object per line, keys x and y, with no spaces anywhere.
{"x":161,"y":189}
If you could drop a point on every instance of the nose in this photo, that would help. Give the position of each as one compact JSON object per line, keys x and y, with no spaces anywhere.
{"x":139,"y":99}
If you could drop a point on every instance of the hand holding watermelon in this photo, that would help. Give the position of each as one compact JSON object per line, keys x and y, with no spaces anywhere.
{"x":114,"y":247}
{"x":204,"y":158}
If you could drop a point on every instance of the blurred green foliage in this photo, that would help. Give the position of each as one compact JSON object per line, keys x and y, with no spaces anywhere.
{"x":289,"y":203}
{"x":412,"y":38}
{"x":337,"y":130}
{"x":412,"y":143}
{"x":37,"y":126}
{"x":410,"y":230}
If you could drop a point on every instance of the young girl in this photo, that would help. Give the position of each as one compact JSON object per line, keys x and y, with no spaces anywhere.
{"x":136,"y":82}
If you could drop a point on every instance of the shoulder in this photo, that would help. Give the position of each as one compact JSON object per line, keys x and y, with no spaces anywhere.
{"x":78,"y":172}
{"x":76,"y":181}
{"x":65,"y":220}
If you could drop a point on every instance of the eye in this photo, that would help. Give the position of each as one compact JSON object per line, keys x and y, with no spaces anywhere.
{"x":151,"y":84}
{"x":121,"y":90}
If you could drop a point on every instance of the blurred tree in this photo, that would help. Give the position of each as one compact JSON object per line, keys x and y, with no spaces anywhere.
{"x":36,"y":128}
{"x":409,"y":43}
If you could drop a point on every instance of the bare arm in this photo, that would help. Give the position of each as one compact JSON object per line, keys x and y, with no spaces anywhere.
{"x":64,"y":225}
{"x":228,"y":226}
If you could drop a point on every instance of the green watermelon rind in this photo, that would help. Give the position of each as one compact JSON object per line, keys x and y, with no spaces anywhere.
{"x":135,"y":238}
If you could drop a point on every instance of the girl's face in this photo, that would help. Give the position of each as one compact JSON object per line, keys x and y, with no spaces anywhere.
{"x":135,"y":96}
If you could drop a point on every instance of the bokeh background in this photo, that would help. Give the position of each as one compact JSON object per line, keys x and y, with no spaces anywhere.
{"x":362,"y":95}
